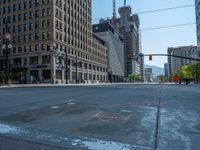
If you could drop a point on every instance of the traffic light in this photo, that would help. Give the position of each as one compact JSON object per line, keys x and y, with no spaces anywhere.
{"x":129,"y":57}
{"x":150,"y":57}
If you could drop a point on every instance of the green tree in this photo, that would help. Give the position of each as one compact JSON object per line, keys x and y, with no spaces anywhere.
{"x":134,"y":77}
{"x":187,"y":72}
{"x":191,"y":72}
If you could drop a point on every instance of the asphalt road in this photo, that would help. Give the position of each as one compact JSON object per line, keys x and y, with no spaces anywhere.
{"x":118,"y":117}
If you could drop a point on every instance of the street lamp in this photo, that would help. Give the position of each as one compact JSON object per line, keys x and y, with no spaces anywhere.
{"x":66,"y":66}
{"x":62,"y":56}
{"x":76,"y":62}
{"x":6,"y":51}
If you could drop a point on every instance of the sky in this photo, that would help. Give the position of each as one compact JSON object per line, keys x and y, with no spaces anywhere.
{"x":156,"y":41}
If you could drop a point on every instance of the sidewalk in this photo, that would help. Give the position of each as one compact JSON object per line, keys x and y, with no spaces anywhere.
{"x":64,"y":85}
{"x":7,"y":143}
{"x":81,"y":84}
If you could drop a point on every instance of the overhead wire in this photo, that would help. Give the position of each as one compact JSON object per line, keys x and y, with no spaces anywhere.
{"x":170,"y":26}
{"x":158,"y":10}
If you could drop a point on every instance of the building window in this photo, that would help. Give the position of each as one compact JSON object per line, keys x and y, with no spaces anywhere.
{"x":36,"y":14}
{"x":30,"y":48}
{"x":37,"y":25}
{"x":25,"y":16}
{"x":30,"y":37}
{"x":19,"y":49}
{"x":31,"y":15}
{"x":36,"y":3}
{"x":43,"y":47}
{"x":36,"y":47}
{"x":46,"y":74}
{"x":25,"y":5}
{"x":43,"y":12}
{"x":34,"y":60}
{"x":43,"y":35}
{"x":26,"y":27}
{"x":31,"y":26}
{"x":46,"y":59}
{"x":48,"y":34}
{"x":36,"y":36}
{"x":25,"y":38}
{"x":25,"y":49}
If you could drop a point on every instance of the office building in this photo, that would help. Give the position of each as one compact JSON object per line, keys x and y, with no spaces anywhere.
{"x":166,"y":70}
{"x":128,"y":27}
{"x":114,"y":43}
{"x":52,"y":41}
{"x":148,"y":74}
{"x":175,"y":64}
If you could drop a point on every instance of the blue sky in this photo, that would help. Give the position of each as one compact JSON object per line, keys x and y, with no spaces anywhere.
{"x":157,"y":41}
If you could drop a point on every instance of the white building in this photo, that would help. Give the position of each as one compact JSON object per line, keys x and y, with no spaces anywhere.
{"x":114,"y":43}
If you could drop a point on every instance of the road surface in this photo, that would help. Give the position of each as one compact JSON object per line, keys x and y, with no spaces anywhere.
{"x":118,"y":117}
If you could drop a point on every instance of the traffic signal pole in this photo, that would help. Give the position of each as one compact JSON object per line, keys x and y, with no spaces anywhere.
{"x":177,"y":56}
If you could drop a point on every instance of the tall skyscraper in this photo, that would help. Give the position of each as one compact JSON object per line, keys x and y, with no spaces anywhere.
{"x":50,"y":37}
{"x":128,"y":26}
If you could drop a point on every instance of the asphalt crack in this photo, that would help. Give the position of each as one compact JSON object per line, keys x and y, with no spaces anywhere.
{"x":155,"y":146}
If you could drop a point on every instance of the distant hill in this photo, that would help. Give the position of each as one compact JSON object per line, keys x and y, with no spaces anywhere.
{"x":156,"y":70}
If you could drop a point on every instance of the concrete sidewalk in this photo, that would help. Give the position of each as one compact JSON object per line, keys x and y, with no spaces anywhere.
{"x":7,"y":143}
{"x":81,"y":84}
{"x":63,"y":85}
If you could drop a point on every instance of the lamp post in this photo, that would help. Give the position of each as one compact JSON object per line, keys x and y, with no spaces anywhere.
{"x":66,"y":67}
{"x":76,"y":69}
{"x":76,"y":62}
{"x":6,"y":51}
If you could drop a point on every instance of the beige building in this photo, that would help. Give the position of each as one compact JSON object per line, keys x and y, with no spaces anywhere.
{"x":175,"y":64}
{"x":49,"y":36}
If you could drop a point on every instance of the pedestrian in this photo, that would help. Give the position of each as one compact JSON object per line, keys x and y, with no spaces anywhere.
{"x":187,"y":81}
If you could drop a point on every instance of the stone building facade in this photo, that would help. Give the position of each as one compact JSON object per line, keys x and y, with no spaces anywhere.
{"x":175,"y":64}
{"x":50,"y":37}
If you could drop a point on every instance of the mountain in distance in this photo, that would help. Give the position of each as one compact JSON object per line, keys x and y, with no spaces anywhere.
{"x":156,"y":70}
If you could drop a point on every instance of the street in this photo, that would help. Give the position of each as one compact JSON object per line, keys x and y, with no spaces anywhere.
{"x":118,"y":117}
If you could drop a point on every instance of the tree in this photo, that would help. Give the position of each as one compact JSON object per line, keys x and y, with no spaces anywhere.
{"x":191,"y":72}
{"x":187,"y":72}
{"x":162,"y":78}
{"x":134,"y":77}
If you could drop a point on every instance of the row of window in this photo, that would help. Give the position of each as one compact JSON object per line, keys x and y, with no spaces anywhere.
{"x":25,"y":5}
{"x":26,"y":16}
{"x":33,"y":60}
{"x":46,"y":59}
{"x":32,"y":37}
{"x":47,"y":47}
{"x":26,"y":27}
{"x":30,"y":48}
